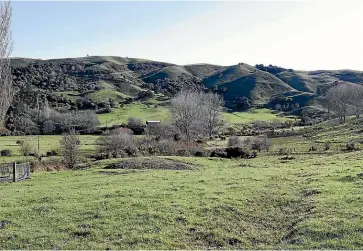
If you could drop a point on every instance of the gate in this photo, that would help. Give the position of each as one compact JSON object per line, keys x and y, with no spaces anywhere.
{"x":14,"y":172}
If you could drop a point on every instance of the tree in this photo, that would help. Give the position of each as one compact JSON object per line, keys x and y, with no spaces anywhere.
{"x":213,"y":104}
{"x":344,"y":99}
{"x":242,"y":103}
{"x":196,"y":113}
{"x":356,"y":100}
{"x":114,"y":145}
{"x":336,"y":101}
{"x":136,"y":125}
{"x":7,"y":90}
{"x":70,"y":144}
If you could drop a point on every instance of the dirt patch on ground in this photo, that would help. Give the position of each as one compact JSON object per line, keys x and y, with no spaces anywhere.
{"x":167,"y":164}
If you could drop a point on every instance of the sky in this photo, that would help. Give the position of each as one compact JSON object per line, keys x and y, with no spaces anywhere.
{"x":304,"y":35}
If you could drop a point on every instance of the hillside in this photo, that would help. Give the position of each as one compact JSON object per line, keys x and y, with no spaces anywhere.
{"x":92,"y":82}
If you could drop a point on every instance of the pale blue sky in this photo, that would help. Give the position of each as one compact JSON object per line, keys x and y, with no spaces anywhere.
{"x":297,"y":34}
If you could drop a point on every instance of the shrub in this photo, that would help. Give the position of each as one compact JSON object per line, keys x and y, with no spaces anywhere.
{"x":51,"y":153}
{"x":253,"y":155}
{"x":260,"y":143}
{"x":121,"y":130}
{"x":136,"y":125}
{"x":162,"y":131}
{"x":48,"y":165}
{"x":115,"y":145}
{"x":282,"y":151}
{"x":48,"y":127}
{"x":234,"y":141}
{"x":350,"y":146}
{"x":237,"y":152}
{"x":313,"y":148}
{"x":26,"y":148}
{"x":219,"y":153}
{"x":19,"y":142}
{"x":70,"y":144}
{"x":198,"y":152}
{"x":4,"y":131}
{"x":326,"y":146}
{"x":5,"y":153}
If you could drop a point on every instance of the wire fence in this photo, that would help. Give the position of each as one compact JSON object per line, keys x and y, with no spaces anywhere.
{"x":13,"y":172}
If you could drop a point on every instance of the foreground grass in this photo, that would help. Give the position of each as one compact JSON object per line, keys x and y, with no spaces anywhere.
{"x":263,"y":203}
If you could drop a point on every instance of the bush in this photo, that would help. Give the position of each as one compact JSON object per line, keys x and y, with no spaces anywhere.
{"x":198,"y":152}
{"x":282,"y":151}
{"x":313,"y":148}
{"x":5,"y":153}
{"x":136,"y":125}
{"x":260,"y":143}
{"x":350,"y":146}
{"x":237,"y":152}
{"x":26,"y":148}
{"x":48,"y":165}
{"x":51,"y":153}
{"x":326,"y":146}
{"x":115,"y":145}
{"x":19,"y":142}
{"x":219,"y":153}
{"x":121,"y":130}
{"x":234,"y":141}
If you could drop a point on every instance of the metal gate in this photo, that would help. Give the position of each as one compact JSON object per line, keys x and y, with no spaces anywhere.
{"x":14,"y":172}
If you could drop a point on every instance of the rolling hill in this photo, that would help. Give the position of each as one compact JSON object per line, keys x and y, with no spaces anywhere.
{"x":99,"y":78}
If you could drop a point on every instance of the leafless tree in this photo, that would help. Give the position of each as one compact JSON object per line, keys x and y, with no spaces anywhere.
{"x":7,"y":90}
{"x":337,"y":100}
{"x":114,"y":145}
{"x":70,"y":144}
{"x":195,"y":113}
{"x":345,"y":99}
{"x":355,"y":91}
{"x":213,"y":104}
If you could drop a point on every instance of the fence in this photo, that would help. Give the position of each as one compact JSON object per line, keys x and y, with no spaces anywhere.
{"x":14,"y":172}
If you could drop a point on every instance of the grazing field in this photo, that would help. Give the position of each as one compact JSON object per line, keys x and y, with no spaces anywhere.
{"x":46,"y":143}
{"x":142,"y":111}
{"x":253,"y":115}
{"x":311,"y":202}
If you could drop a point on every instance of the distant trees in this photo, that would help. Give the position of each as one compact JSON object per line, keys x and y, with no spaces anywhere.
{"x":7,"y":90}
{"x":242,"y":103}
{"x":196,"y":113}
{"x":344,"y":99}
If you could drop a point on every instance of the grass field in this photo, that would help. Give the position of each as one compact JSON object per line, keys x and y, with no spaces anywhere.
{"x":121,"y":115}
{"x":263,"y":203}
{"x":46,"y":143}
{"x":253,"y":115}
{"x":142,"y":111}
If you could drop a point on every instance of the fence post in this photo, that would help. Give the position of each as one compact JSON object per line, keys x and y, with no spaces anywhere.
{"x":14,"y":172}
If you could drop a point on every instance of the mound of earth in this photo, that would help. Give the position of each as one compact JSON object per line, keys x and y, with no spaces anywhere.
{"x":143,"y":163}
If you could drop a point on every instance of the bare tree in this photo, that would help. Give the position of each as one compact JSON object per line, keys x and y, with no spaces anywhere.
{"x":195,"y":113}
{"x":70,"y":144}
{"x":345,"y":99}
{"x":213,"y":105}
{"x":114,"y":145}
{"x":355,"y":91}
{"x":337,"y":100}
{"x":7,"y":90}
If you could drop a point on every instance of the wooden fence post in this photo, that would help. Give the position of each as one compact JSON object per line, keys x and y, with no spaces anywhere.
{"x":14,"y":172}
